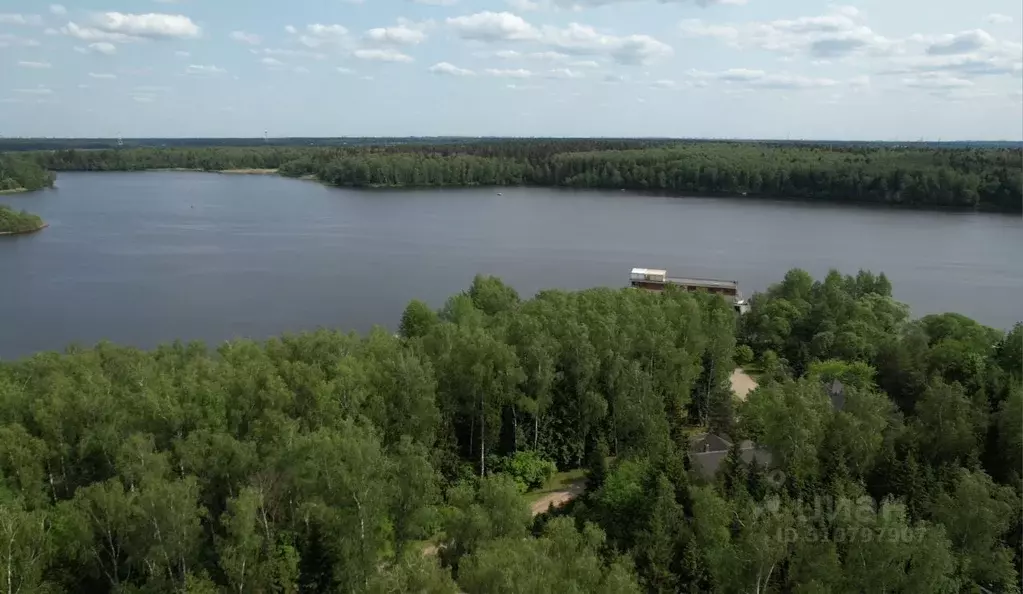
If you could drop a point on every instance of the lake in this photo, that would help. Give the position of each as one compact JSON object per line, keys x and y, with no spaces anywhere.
{"x":145,"y":258}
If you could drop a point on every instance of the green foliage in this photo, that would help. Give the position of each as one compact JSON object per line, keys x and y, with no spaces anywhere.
{"x":743,"y":355}
{"x":13,"y":221}
{"x":321,"y":462}
{"x":19,"y":172}
{"x":529,"y":469}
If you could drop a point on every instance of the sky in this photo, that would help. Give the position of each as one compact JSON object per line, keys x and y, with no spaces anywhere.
{"x":799,"y":69}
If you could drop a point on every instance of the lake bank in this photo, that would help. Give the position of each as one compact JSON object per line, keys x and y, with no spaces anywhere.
{"x":156,"y":256}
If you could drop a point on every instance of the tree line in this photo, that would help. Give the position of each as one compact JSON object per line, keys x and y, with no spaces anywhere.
{"x":330,"y":462}
{"x":969,"y":178}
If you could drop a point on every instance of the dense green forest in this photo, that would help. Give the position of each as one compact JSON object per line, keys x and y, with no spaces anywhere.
{"x":18,"y":172}
{"x":972,"y":178}
{"x":329,"y":462}
{"x":13,"y":221}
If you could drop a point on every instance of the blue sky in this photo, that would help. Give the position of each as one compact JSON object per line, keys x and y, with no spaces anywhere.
{"x":870,"y":69}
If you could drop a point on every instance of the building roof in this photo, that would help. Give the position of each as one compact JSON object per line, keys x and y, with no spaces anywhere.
{"x":646,"y":271}
{"x":709,"y":451}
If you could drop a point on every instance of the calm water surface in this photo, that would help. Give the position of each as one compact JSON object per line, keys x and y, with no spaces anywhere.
{"x":144,"y":258}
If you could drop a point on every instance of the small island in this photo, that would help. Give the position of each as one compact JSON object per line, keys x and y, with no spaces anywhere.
{"x":13,"y":222}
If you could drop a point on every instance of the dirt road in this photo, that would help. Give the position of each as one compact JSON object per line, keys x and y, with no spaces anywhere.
{"x":558,"y":498}
{"x":742,"y":383}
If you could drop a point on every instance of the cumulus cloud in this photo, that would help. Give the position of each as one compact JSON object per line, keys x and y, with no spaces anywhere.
{"x":524,"y":5}
{"x":573,"y":39}
{"x":493,"y":26}
{"x":344,"y":70}
{"x":834,"y":35}
{"x":703,"y":3}
{"x":402,"y":34}
{"x":509,"y":72}
{"x":86,"y":33}
{"x":449,"y":69}
{"x":936,"y":81}
{"x":271,"y":62}
{"x":102,"y":75}
{"x":36,"y":65}
{"x":629,"y":49}
{"x":182,"y":54}
{"x":58,"y":9}
{"x":759,"y":79}
{"x":249,"y":38}
{"x":204,"y":69}
{"x":318,"y":35}
{"x":437,"y":2}
{"x":149,"y":25}
{"x":998,"y":19}
{"x":565,"y":73}
{"x":381,"y":55}
{"x":961,"y":43}
{"x":100,"y":47}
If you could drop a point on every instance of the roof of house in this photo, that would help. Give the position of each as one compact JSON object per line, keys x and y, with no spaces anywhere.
{"x":709,"y":451}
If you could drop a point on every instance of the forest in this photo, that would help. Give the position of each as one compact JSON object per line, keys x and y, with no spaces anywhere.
{"x":21,"y":173}
{"x":386,"y":463}
{"x":13,"y":221}
{"x":923,"y":177}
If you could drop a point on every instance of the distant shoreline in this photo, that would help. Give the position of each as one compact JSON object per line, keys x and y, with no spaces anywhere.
{"x":13,"y":191}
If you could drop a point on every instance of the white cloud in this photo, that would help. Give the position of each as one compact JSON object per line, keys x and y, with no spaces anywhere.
{"x":149,"y":25}
{"x":565,"y":73}
{"x":102,"y":75}
{"x":36,"y":65}
{"x":524,"y":5}
{"x":319,"y":35}
{"x":437,"y":2}
{"x":290,"y":29}
{"x":92,"y":34}
{"x":243,"y":37}
{"x":7,"y":18}
{"x":584,"y":64}
{"x":401,"y":34}
{"x":344,"y":70}
{"x":100,"y":47}
{"x":40,"y":90}
{"x":204,"y":69}
{"x":998,"y":19}
{"x":759,"y":79}
{"x":574,"y":39}
{"x":449,"y":69}
{"x":664,"y":84}
{"x":961,"y":43}
{"x":936,"y":81}
{"x":103,"y":47}
{"x":58,"y":9}
{"x":493,"y":26}
{"x":836,"y":34}
{"x":381,"y":55}
{"x":272,"y":62}
{"x":182,"y":54}
{"x":509,"y":73}
{"x":629,"y":49}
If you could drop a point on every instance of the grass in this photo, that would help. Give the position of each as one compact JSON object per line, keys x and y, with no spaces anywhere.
{"x":558,"y":482}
